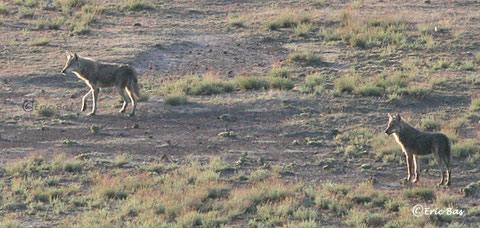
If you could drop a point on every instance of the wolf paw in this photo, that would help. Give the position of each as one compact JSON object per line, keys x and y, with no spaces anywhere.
{"x":121,"y":111}
{"x":131,"y":114}
{"x":91,"y":114}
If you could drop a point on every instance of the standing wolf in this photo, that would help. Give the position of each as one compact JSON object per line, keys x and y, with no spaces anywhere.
{"x":415,"y":142}
{"x":99,"y":75}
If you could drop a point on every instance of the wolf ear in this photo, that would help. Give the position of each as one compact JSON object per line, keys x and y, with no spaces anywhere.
{"x":75,"y":56}
{"x":399,"y":117}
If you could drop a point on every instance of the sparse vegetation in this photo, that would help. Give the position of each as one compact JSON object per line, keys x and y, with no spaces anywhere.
{"x":175,"y":100}
{"x":4,"y":10}
{"x":475,"y":105}
{"x":26,"y":13}
{"x":303,"y":30}
{"x":280,"y":72}
{"x":251,"y":83}
{"x":237,"y":22}
{"x":121,"y":160}
{"x":198,"y":85}
{"x":40,"y":42}
{"x":134,"y":5}
{"x":305,"y":58}
{"x":45,"y":111}
{"x":430,"y":124}
{"x":280,"y":83}
{"x":314,"y":83}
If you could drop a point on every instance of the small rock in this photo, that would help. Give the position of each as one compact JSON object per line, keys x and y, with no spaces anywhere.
{"x":135,"y":126}
{"x":137,"y":25}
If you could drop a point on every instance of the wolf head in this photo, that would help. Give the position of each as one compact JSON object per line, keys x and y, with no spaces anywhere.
{"x":72,"y":64}
{"x":395,"y":124}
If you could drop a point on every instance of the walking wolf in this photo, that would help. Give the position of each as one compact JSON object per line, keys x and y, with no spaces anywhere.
{"x":415,"y":142}
{"x":99,"y":75}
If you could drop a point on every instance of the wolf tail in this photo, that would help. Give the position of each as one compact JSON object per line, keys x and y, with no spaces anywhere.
{"x":133,"y":83}
{"x":133,"y":86}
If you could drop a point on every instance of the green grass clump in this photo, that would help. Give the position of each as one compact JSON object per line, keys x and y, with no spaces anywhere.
{"x":40,"y":42}
{"x":474,"y":79}
{"x":87,"y":18}
{"x":417,"y":91}
{"x":251,"y":83}
{"x":134,"y":5}
{"x":31,"y":3}
{"x":426,"y":194}
{"x":477,"y":57}
{"x":45,"y":111}
{"x":465,"y":148}
{"x":364,"y":33}
{"x":54,"y":23}
{"x":114,"y":194}
{"x":360,"y":218}
{"x":305,"y":58}
{"x":198,"y":85}
{"x":175,"y":100}
{"x":81,"y":29}
{"x":237,"y":22}
{"x":26,"y":13}
{"x":313,"y":83}
{"x":280,"y":83}
{"x":368,"y":90}
{"x":430,"y":124}
{"x":95,"y":129}
{"x":475,"y":105}
{"x":392,"y":81}
{"x":4,"y":10}
{"x":287,"y":20}
{"x":121,"y":160}
{"x":303,"y":30}
{"x":280,"y":72}
{"x":259,"y":175}
{"x":93,"y":9}
{"x":467,"y":66}
{"x":441,"y":64}
{"x":346,"y":83}
{"x":68,"y":6}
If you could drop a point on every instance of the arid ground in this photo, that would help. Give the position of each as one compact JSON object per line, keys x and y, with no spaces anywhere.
{"x":253,"y":113}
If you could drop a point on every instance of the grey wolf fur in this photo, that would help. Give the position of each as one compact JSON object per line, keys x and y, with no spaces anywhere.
{"x":415,"y":142}
{"x":100,"y":75}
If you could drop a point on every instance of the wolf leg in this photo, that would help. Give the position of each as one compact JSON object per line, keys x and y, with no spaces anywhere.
{"x":415,"y":168}
{"x":441,"y":164}
{"x":134,"y":103}
{"x":121,"y":91}
{"x":84,"y":100}
{"x":95,"y":100}
{"x":447,"y":182}
{"x":442,"y":179}
{"x":409,"y":159}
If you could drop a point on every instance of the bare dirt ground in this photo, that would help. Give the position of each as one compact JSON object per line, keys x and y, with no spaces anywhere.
{"x":179,"y":38}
